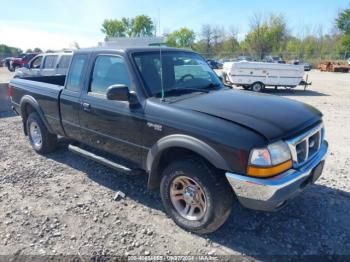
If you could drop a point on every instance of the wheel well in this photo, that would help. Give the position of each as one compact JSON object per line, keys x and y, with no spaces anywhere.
{"x":172,"y":154}
{"x":27,"y":110}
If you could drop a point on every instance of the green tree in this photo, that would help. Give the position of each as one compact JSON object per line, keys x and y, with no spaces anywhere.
{"x":343,"y":21}
{"x":294,"y":48}
{"x":128,"y":25}
{"x":139,"y":26}
{"x":9,"y":51}
{"x":277,"y":33}
{"x":37,"y":50}
{"x":310,"y":47}
{"x":113,"y":28}
{"x":266,"y":35}
{"x":231,"y":45}
{"x":343,"y":24}
{"x":183,"y":37}
{"x":142,"y":25}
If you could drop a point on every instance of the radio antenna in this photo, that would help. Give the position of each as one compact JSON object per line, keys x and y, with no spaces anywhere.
{"x":161,"y":59}
{"x":161,"y":70}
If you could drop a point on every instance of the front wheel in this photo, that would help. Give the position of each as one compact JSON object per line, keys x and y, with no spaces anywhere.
{"x":196,"y":197}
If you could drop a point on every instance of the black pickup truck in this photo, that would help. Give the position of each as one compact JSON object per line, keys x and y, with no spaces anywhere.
{"x":164,"y":112}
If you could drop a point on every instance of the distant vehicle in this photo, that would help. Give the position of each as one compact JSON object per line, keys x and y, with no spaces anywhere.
{"x":307,"y":66}
{"x":48,"y":64}
{"x":274,"y":59}
{"x":224,"y":60}
{"x":348,"y":61}
{"x":214,"y":64}
{"x":256,"y":76}
{"x":20,"y":61}
{"x":6,"y":61}
{"x":244,"y":58}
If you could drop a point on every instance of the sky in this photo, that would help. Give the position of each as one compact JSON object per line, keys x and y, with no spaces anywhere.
{"x":57,"y":24}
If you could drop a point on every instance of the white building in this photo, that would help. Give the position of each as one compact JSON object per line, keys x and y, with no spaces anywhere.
{"x":123,"y":42}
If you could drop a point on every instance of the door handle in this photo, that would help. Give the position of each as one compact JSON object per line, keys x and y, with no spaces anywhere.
{"x":86,"y":107}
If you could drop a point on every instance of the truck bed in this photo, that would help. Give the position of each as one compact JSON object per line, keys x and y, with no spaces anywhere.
{"x":46,"y":91}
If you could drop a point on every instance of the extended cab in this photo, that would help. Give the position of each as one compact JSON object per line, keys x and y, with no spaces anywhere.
{"x":164,"y":111}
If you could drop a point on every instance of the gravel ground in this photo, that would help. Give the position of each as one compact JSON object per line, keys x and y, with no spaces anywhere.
{"x":63,"y":204}
{"x":5,"y":75}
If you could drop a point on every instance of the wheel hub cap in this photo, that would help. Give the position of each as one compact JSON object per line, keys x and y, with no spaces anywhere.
{"x":188,"y":198}
{"x":190,"y":194}
{"x":35,"y":134}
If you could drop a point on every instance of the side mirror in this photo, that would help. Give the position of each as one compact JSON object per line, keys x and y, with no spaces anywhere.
{"x":118,"y":92}
{"x":26,"y":66}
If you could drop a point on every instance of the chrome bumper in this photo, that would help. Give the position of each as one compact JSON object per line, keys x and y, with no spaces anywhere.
{"x":270,"y":194}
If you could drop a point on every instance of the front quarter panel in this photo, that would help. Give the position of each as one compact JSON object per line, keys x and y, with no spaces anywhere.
{"x":223,"y":143}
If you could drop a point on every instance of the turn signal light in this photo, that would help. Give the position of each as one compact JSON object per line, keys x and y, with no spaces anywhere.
{"x":269,"y":171}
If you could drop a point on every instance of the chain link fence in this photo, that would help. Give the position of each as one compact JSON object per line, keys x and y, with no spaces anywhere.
{"x":313,"y":59}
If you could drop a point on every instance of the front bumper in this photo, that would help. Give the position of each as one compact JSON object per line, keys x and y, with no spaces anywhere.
{"x":270,"y":194}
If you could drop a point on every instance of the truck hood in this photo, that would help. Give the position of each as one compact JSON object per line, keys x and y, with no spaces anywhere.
{"x":271,"y":116}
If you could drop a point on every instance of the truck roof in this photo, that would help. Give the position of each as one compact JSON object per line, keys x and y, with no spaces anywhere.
{"x":131,"y":49}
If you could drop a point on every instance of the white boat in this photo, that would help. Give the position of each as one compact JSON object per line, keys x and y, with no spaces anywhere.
{"x":257,"y":75}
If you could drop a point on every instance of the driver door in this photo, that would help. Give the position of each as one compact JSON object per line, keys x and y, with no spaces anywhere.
{"x":111,"y":125}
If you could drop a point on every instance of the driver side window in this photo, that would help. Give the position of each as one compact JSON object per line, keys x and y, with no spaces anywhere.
{"x":36,"y":63}
{"x":108,"y":70}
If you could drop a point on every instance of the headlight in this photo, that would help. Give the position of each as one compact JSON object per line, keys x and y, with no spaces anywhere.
{"x":269,"y":161}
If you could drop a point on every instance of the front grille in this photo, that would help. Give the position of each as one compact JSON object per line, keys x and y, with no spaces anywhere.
{"x":305,"y":146}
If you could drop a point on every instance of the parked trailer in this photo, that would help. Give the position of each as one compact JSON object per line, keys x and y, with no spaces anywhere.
{"x":256,"y":76}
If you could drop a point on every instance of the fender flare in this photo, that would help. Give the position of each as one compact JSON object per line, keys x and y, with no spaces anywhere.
{"x":180,"y":141}
{"x":29,"y":100}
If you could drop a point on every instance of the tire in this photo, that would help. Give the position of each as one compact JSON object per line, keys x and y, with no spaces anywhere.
{"x":217,"y":195}
{"x":10,"y":68}
{"x":40,"y":138}
{"x":257,"y":87}
{"x":15,"y":68}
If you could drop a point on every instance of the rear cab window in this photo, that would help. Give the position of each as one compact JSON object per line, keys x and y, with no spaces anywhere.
{"x":64,"y":61}
{"x":76,"y":72}
{"x":50,"y":62}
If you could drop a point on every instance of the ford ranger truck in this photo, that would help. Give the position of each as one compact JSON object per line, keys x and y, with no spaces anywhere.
{"x":163,"y":112}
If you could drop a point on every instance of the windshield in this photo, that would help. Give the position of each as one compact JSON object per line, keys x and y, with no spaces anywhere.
{"x":178,"y":71}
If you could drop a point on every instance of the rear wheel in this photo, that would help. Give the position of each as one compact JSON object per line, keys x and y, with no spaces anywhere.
{"x":15,"y":67}
{"x":257,"y":87}
{"x":40,"y":138}
{"x":196,"y":197}
{"x":10,"y":68}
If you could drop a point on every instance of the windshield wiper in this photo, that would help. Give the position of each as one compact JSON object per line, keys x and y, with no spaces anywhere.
{"x":184,"y":89}
{"x":212,"y":85}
